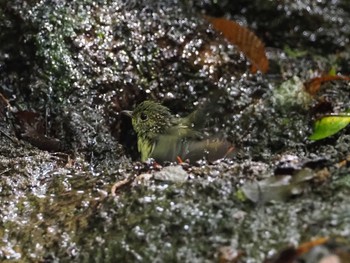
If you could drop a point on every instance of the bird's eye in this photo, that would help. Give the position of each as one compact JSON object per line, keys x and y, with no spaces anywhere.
{"x":143,"y":116}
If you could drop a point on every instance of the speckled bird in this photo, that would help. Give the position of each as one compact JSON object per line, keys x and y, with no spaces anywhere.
{"x":165,"y":137}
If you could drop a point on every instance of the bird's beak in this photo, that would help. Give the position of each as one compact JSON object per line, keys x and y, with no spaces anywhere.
{"x":127,"y":113}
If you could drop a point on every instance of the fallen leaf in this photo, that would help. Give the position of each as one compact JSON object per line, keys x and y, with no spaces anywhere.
{"x":313,"y":85}
{"x":307,"y":246}
{"x":291,"y":254}
{"x":30,"y":127}
{"x":277,"y":188}
{"x":329,"y":125}
{"x":252,"y":47}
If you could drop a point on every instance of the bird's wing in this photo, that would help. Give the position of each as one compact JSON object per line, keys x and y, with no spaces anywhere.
{"x":210,"y":149}
{"x":182,"y":131}
{"x":169,"y":148}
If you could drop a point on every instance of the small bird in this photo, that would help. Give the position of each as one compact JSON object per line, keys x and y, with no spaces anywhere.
{"x":165,"y":137}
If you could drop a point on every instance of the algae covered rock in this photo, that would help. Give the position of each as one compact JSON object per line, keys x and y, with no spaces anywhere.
{"x":67,"y":69}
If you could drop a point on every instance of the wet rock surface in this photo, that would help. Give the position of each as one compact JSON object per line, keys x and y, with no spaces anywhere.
{"x":68,"y":69}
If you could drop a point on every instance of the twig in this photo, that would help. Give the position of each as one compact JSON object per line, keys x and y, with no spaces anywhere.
{"x":117,"y":186}
{"x":7,"y":170}
{"x":8,"y":136}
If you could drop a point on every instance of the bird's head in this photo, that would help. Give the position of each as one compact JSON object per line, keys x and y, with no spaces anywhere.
{"x":150,"y":119}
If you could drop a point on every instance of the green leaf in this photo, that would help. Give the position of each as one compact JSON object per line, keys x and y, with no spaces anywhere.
{"x":294,"y":53}
{"x":329,"y":125}
{"x":240,"y":195}
{"x":332,"y":71}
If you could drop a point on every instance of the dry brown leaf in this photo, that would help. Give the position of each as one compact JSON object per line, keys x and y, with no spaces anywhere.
{"x":252,"y":47}
{"x":307,"y":246}
{"x":291,"y":254}
{"x":30,"y":127}
{"x":313,"y":85}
